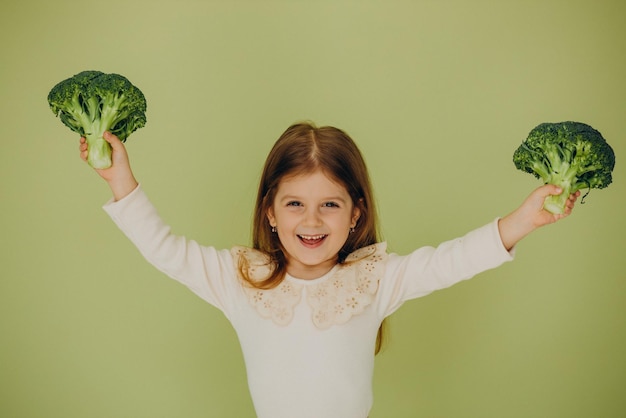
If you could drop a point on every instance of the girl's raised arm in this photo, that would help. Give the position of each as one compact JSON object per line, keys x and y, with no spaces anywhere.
{"x":531,"y":215}
{"x":119,"y":176}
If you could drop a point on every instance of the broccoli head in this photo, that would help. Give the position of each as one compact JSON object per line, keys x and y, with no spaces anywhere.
{"x":571,"y":155}
{"x":91,"y":103}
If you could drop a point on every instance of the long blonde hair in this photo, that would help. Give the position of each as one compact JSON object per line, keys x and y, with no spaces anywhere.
{"x":304,"y":148}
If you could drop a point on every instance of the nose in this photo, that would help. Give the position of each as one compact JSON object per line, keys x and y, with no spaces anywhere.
{"x":312,"y":217}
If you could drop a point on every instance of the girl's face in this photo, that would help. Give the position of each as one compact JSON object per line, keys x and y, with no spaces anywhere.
{"x":313,"y":216}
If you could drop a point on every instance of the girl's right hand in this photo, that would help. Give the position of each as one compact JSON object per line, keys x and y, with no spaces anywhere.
{"x":119,"y":176}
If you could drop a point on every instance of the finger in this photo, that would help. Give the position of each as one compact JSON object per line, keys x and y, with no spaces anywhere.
{"x":571,"y":202}
{"x":572,"y":199}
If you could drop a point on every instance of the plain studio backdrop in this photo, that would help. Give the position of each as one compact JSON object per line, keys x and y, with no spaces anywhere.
{"x":438,"y":95}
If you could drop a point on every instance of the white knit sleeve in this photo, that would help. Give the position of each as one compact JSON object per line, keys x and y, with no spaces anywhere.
{"x":206,"y":271}
{"x":432,"y":268}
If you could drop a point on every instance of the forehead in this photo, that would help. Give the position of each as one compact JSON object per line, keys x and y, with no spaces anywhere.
{"x":316,"y":182}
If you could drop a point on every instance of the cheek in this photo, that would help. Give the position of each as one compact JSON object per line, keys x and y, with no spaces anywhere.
{"x":342,"y":224}
{"x":284,"y":220}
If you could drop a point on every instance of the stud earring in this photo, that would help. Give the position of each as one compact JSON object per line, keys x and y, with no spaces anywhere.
{"x":352,"y":229}
{"x":274,"y":229}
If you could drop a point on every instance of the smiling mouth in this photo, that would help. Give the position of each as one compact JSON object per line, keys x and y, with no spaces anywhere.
{"x":312,"y":239}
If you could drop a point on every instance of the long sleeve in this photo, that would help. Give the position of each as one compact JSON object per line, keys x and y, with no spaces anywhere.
{"x":428,"y":269}
{"x":204,"y":270}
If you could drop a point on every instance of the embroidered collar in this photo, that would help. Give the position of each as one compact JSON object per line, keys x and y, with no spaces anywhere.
{"x":334,"y":298}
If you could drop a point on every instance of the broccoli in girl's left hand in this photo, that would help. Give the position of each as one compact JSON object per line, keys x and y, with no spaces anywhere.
{"x":91,"y":103}
{"x":571,"y":155}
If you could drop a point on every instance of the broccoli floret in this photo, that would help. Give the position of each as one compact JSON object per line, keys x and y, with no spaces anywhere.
{"x":91,"y":103}
{"x":571,"y":155}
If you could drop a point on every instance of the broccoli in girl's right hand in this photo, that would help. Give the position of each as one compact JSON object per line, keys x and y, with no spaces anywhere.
{"x":571,"y":155}
{"x":91,"y":103}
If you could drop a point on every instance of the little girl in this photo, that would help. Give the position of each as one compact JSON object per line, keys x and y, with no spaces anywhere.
{"x":309,"y":298}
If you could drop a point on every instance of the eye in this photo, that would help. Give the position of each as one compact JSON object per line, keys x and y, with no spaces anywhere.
{"x":330,"y":205}
{"x":294,"y":203}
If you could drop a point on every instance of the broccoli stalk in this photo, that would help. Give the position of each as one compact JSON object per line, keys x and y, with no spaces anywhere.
{"x":99,"y":150}
{"x":571,"y":155}
{"x":91,"y":103}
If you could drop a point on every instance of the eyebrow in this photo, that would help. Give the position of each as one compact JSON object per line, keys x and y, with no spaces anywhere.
{"x":325,"y":199}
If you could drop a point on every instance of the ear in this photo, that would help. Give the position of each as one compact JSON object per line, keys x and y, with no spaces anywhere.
{"x":356,"y":214}
{"x":270,"y":216}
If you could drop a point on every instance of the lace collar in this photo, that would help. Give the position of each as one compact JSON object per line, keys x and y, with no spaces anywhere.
{"x":334,"y":298}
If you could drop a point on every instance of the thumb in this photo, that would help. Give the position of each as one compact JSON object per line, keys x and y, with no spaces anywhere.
{"x":549,"y":189}
{"x":112,"y":139}
{"x":119,"y":155}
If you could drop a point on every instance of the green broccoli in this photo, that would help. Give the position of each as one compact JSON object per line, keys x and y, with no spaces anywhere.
{"x":91,"y":103}
{"x":571,"y":155}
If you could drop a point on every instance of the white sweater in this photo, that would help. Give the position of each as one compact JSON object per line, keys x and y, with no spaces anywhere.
{"x":308,"y":344}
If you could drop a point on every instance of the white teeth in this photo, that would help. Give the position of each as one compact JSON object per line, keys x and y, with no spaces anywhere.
{"x":311,"y":237}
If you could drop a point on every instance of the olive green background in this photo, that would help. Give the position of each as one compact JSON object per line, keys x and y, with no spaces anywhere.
{"x":438,"y":94}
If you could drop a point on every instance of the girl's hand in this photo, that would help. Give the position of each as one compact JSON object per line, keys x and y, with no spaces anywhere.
{"x":531,"y":215}
{"x":119,"y":176}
